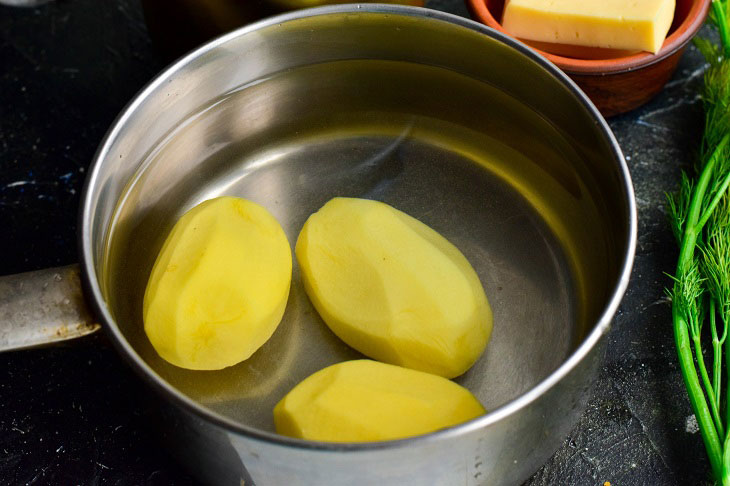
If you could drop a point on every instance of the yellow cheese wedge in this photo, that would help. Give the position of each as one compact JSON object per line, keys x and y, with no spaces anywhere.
{"x":365,"y":401}
{"x":393,"y":288}
{"x":615,"y":24}
{"x":218,"y":289}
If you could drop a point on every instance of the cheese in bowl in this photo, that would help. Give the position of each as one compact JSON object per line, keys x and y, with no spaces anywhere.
{"x":613,"y":24}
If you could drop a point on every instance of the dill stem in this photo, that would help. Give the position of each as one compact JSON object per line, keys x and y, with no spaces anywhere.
{"x":708,"y":385}
{"x":722,"y":26}
{"x":696,"y":396}
{"x":725,"y":478}
{"x":718,"y":196}
{"x":716,"y":357}
{"x":692,"y":228}
{"x":727,"y":401}
{"x":721,"y":190}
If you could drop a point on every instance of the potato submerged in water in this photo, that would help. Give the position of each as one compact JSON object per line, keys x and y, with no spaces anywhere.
{"x":393,"y":288}
{"x":363,"y":400}
{"x":219,"y":286}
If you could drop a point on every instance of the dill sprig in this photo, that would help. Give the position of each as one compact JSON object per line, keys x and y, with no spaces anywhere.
{"x":699,"y":214}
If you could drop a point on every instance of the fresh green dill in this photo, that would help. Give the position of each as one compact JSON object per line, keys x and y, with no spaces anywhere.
{"x":699,"y":214}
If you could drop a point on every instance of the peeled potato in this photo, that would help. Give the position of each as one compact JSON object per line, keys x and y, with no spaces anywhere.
{"x":393,"y":288}
{"x":219,"y":286}
{"x":363,"y":400}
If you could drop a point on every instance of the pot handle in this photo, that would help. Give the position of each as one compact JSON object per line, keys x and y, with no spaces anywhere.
{"x":43,"y":307}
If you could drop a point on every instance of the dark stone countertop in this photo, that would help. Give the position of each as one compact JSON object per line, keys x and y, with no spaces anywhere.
{"x":74,"y":415}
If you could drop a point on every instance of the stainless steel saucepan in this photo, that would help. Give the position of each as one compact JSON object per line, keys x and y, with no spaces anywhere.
{"x":441,"y":117}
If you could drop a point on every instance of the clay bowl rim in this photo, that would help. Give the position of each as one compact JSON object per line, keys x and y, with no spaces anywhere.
{"x":673,"y":43}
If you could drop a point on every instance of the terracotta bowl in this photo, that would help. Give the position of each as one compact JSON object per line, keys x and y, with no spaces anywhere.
{"x":616,"y":81}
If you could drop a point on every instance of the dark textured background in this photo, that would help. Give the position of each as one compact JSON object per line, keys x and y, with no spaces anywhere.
{"x":76,"y":414}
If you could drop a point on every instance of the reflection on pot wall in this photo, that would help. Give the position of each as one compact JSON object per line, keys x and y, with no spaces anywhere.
{"x":177,"y":26}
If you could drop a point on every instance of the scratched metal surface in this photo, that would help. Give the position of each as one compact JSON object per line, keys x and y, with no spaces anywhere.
{"x":77,"y":415}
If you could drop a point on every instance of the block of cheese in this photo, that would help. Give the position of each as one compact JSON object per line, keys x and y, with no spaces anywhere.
{"x":615,"y":24}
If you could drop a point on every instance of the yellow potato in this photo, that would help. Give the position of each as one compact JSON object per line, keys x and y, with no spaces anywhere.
{"x":393,"y":288}
{"x":363,"y":401}
{"x":219,"y":286}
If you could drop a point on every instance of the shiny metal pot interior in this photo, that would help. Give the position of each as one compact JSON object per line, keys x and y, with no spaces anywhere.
{"x":439,"y":116}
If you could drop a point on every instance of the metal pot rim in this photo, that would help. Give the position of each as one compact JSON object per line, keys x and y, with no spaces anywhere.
{"x":95,"y":298}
